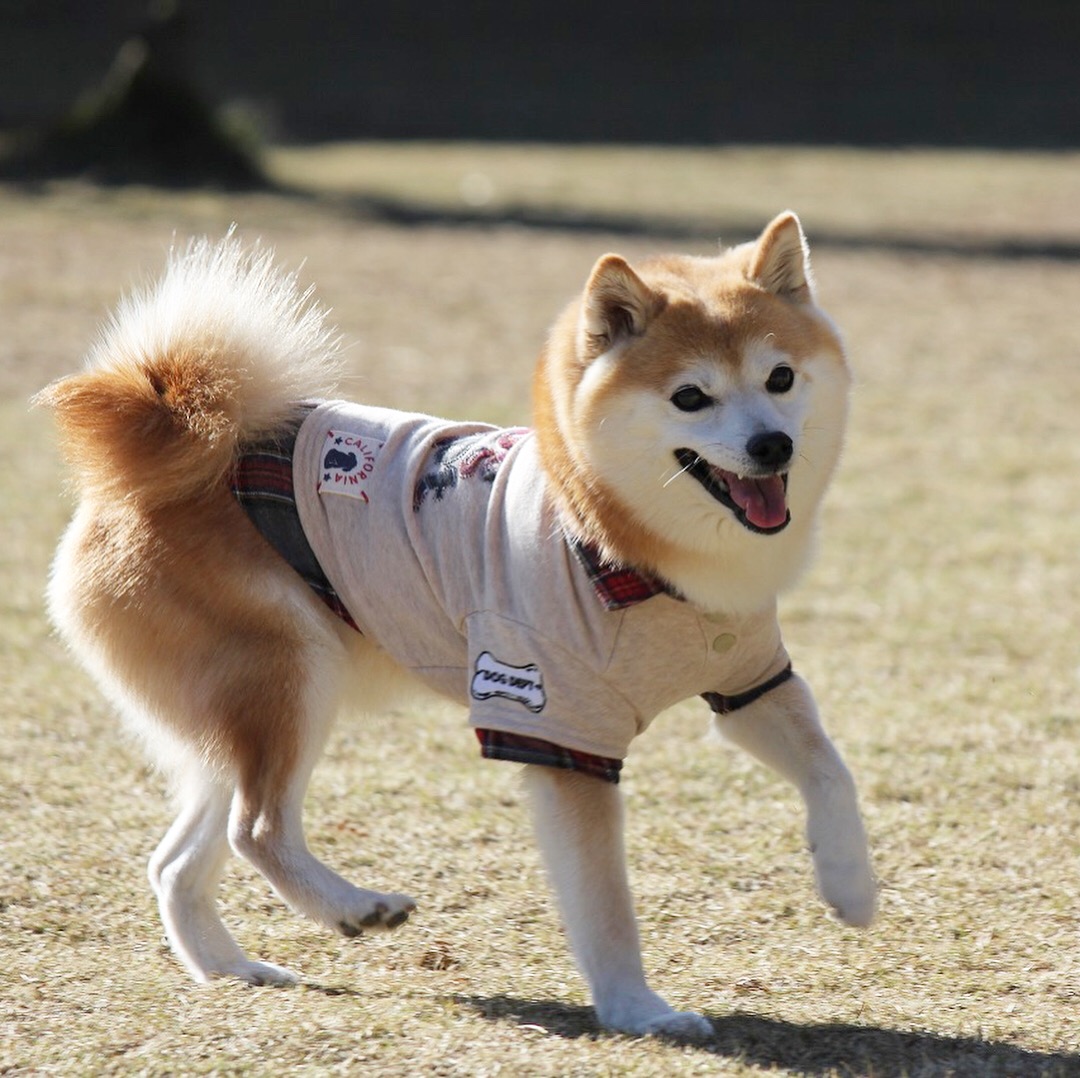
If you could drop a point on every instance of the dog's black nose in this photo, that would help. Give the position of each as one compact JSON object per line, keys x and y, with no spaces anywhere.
{"x":772,"y":449}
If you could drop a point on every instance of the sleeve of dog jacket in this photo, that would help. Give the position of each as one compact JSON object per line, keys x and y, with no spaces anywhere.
{"x":754,"y":675}
{"x":777,"y":672}
{"x":522,"y":683}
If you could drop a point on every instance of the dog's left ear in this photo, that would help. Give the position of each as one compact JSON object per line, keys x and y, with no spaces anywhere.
{"x":780,"y":262}
{"x":617,"y":305}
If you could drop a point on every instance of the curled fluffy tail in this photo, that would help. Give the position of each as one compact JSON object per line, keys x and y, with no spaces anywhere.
{"x":217,"y":352}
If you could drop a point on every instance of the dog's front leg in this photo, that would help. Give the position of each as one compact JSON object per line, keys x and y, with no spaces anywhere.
{"x":782,"y":730}
{"x":579,"y":828}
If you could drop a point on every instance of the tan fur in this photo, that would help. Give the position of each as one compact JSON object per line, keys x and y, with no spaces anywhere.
{"x":193,"y":654}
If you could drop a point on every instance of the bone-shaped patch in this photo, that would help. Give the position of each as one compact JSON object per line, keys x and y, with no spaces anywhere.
{"x":522,"y":684}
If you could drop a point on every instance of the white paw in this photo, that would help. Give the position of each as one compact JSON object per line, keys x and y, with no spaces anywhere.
{"x":259,"y":973}
{"x":851,"y":891}
{"x":683,"y":1026}
{"x":376,"y":913}
{"x":845,"y":880}
{"x":837,"y":840}
{"x":645,"y":1014}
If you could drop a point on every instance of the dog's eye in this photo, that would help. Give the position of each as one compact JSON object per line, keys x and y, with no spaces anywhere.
{"x":690,"y":399}
{"x":781,"y":379}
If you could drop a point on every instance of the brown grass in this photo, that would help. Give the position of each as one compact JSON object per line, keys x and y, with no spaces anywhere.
{"x":938,"y":629}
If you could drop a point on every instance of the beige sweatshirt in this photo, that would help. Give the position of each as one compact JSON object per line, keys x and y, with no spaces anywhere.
{"x":442,"y":543}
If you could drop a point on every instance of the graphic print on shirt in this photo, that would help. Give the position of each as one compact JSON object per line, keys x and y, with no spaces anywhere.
{"x":522,"y":684}
{"x":470,"y":456}
{"x":348,"y":463}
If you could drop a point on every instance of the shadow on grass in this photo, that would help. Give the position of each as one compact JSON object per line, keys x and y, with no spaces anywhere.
{"x":405,"y":213}
{"x":823,"y":1049}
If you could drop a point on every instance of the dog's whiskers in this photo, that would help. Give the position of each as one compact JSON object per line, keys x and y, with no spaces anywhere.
{"x":682,"y":471}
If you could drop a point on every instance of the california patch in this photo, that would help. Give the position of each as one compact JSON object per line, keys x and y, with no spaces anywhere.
{"x":348,"y":464}
{"x":522,"y":684}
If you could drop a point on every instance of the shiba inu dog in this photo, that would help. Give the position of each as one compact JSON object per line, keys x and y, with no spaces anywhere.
{"x":242,"y":538}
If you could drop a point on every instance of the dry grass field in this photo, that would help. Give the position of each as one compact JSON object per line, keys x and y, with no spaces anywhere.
{"x":939,"y":628}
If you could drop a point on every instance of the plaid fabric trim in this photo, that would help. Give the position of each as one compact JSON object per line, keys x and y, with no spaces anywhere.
{"x":262,"y":482}
{"x":518,"y":749}
{"x":262,"y":475}
{"x":723,"y":705}
{"x":616,"y":586}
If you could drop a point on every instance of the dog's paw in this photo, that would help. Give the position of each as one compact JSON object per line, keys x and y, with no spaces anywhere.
{"x":848,"y":885}
{"x":682,"y":1026}
{"x":837,"y":840}
{"x":854,"y":897}
{"x":377,"y":913}
{"x":259,"y":973}
{"x":645,"y":1014}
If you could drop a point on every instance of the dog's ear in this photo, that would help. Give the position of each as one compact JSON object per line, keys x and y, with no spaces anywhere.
{"x":780,"y":261}
{"x":617,"y":305}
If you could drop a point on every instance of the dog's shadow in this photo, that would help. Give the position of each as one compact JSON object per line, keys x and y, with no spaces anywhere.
{"x":820,"y":1049}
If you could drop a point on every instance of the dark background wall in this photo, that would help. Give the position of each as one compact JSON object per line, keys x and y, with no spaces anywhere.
{"x":962,"y":72}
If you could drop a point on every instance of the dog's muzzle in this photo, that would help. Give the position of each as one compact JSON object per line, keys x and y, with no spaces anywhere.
{"x":758,"y":503}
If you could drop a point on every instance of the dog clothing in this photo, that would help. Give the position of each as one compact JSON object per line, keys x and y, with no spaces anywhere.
{"x":438,"y":540}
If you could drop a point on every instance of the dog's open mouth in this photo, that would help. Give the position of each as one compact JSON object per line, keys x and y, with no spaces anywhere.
{"x":759,"y":503}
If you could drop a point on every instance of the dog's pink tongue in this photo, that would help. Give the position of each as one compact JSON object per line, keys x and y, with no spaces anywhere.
{"x":762,"y":500}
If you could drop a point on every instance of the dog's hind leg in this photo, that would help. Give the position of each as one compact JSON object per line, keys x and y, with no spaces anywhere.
{"x":783,"y":731}
{"x":579,"y":828}
{"x":268,"y":831}
{"x":185,"y":871}
{"x":265,"y":820}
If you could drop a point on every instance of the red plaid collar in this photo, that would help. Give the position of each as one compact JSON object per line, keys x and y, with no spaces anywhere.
{"x":616,"y":586}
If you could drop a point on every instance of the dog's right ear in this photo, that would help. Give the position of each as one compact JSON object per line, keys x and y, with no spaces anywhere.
{"x":617,"y":305}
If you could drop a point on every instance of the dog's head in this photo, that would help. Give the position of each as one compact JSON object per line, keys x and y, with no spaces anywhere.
{"x":695,"y":407}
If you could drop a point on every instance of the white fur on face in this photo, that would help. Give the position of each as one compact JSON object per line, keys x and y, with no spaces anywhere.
{"x":631,"y":437}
